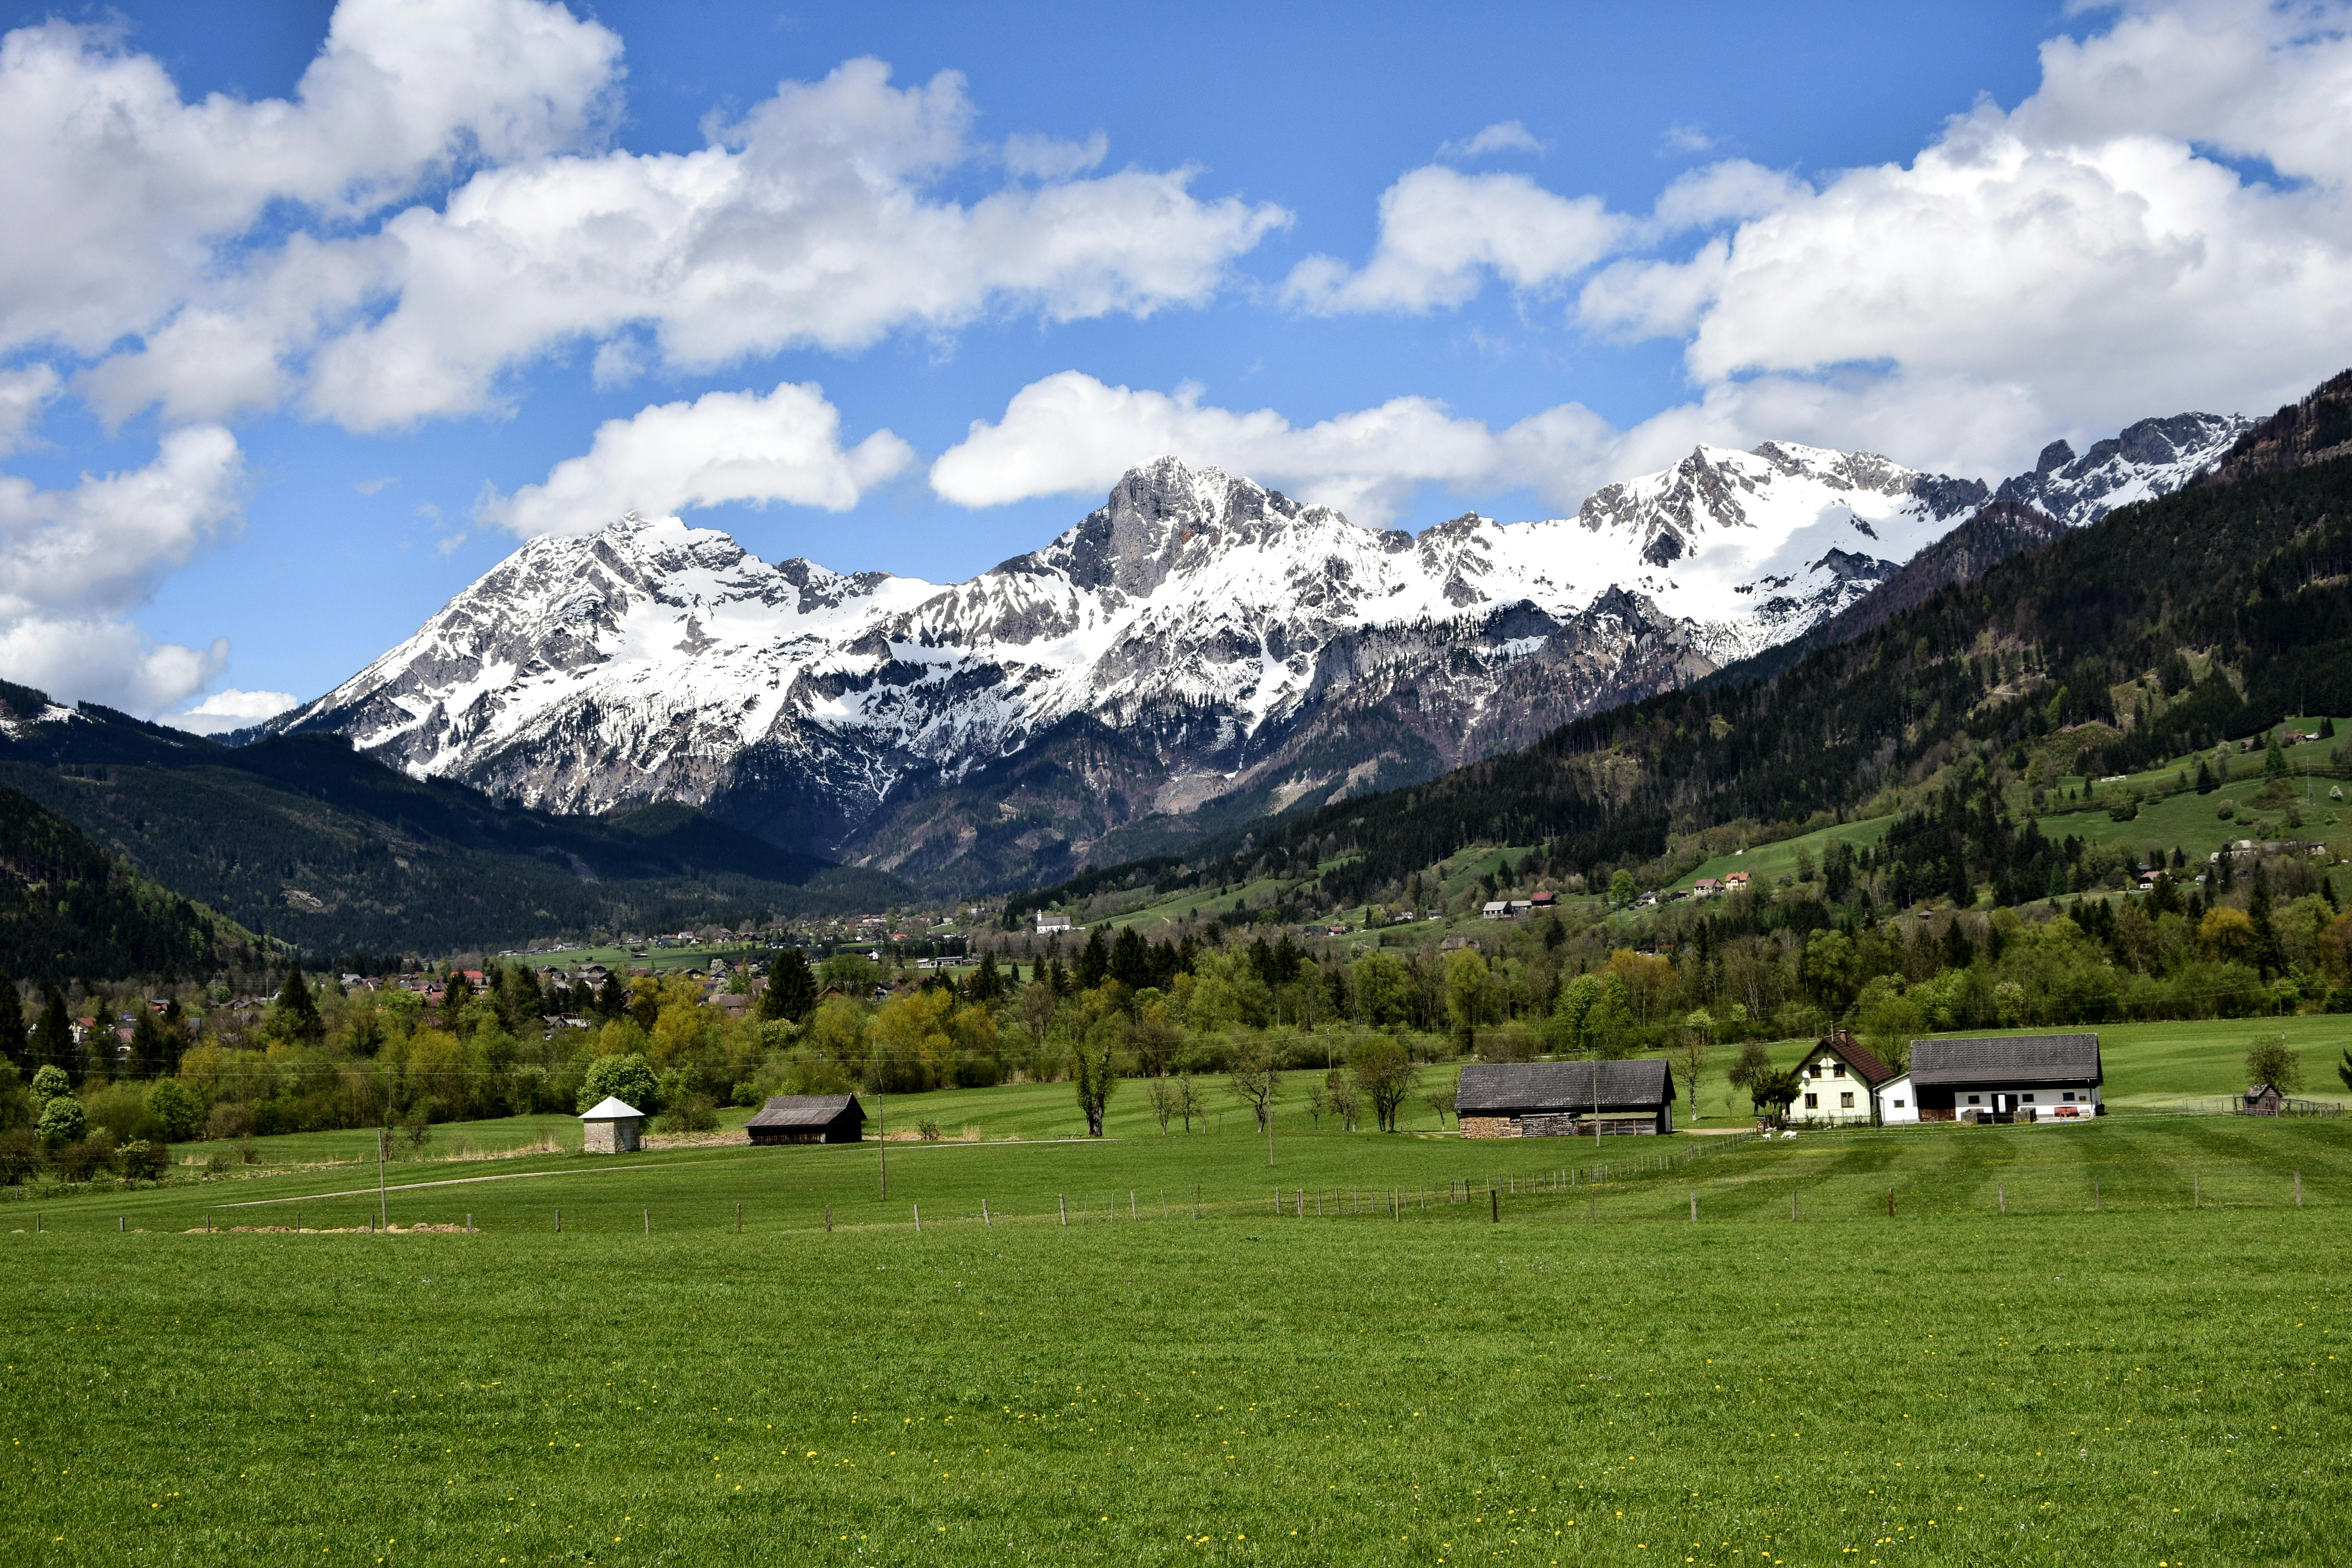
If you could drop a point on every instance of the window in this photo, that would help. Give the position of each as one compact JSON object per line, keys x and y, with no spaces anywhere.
{"x":1838,"y":1071}
{"x":2029,"y":1099}
{"x":1845,"y":1100}
{"x":1976,"y":1100}
{"x":2070,"y":1094}
{"x":1813,"y":1102}
{"x":1814,"y":1070}
{"x":1901,"y":1103}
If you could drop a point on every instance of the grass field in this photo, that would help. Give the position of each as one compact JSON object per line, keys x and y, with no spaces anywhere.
{"x":1594,"y":1379}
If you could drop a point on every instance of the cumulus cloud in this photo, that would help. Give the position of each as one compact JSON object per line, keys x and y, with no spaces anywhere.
{"x":2087,"y":256}
{"x":1072,"y":435}
{"x":232,"y":710}
{"x":723,"y":446}
{"x":23,"y":394}
{"x":817,"y":220}
{"x":1504,"y":136}
{"x":74,"y":563}
{"x":112,"y":167}
{"x":1444,"y":233}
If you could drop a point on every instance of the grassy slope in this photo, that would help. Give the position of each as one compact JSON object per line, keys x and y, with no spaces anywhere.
{"x":2145,"y":1382}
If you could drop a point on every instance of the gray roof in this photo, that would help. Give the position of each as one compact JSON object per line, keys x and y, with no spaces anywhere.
{"x":1499,"y":1089}
{"x":2007,"y":1059}
{"x":805,"y":1111}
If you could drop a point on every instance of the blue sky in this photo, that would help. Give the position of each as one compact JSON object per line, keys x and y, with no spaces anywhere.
{"x":290,"y":365}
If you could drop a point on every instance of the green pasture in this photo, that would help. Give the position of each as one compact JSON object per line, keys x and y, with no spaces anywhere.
{"x":1593,"y":1378}
{"x":1764,"y":862}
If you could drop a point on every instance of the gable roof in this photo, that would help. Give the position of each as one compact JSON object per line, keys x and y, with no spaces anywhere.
{"x":2012,"y":1058}
{"x":609,"y":1108}
{"x":806,"y":1110}
{"x":1862,"y":1059}
{"x":1498,"y":1089}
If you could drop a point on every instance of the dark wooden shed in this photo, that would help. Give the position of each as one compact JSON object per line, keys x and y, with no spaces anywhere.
{"x":1563,"y":1100}
{"x":2261,"y":1099}
{"x":809,"y":1118}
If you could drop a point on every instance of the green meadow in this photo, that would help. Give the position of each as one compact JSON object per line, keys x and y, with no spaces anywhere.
{"x":2135,"y":1363}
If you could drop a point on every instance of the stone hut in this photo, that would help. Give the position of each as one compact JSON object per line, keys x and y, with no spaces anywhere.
{"x":611,"y":1127}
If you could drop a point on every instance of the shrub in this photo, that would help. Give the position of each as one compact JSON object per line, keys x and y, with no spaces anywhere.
{"x":142,"y":1161}
{"x":50,"y":1082}
{"x":63,"y":1122}
{"x":76,"y":1161}
{"x":927,"y":1131}
{"x":229,"y":1119}
{"x":176,"y":1109}
{"x":628,"y":1079}
{"x":695,"y":1113}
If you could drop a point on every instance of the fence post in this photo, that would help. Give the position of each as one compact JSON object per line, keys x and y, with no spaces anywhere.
{"x":1196,"y":1200}
{"x":1693,"y":1209}
{"x":649,"y":1220}
{"x":1890,"y":1203}
{"x":1793,"y":1205}
{"x":2003,"y":1189}
{"x":1066,"y":1208}
{"x":828,"y":1219}
{"x":469,"y":1222}
{"x":2197,"y":1191}
{"x":2298,"y":1189}
{"x":1132,"y":1215}
{"x":986,"y":1223}
{"x":738,"y":1219}
{"x":559,"y":1223}
{"x":1496,"y":1197}
{"x":918,"y":1219}
{"x":2095,"y":1195}
{"x":119,"y":1225}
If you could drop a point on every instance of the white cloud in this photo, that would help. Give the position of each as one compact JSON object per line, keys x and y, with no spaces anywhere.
{"x":1072,"y":435}
{"x":74,"y":563}
{"x":1504,"y":136}
{"x":815,"y":221}
{"x":1048,"y":158}
{"x":2075,"y":263}
{"x":1443,"y":231}
{"x":232,"y":710}
{"x":1682,"y":137}
{"x":111,"y":167}
{"x":23,"y":394}
{"x":723,"y":446}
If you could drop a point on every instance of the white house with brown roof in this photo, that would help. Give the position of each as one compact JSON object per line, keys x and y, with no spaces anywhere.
{"x":1838,"y":1084}
{"x":2008,"y":1077}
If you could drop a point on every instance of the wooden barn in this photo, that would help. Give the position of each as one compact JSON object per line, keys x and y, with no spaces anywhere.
{"x":1564,"y":1099}
{"x":809,"y":1118}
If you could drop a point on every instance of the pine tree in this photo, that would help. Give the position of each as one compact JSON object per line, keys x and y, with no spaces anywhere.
{"x":298,"y":1014}
{"x":148,"y":1047}
{"x":2258,"y":910}
{"x":2204,"y":777}
{"x":986,"y":985}
{"x":1093,"y":964}
{"x":612,"y":997}
{"x":791,"y":992}
{"x":52,"y":1044}
{"x":12,"y":1027}
{"x":2273,"y":759}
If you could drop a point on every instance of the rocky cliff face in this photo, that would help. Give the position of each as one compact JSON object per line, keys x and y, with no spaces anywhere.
{"x":1198,"y":648}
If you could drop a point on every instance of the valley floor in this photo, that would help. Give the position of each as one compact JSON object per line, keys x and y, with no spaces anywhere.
{"x":1594,"y":1378}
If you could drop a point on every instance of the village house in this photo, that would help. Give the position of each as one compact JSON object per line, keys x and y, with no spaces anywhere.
{"x":1838,"y":1084}
{"x":1733,"y":881}
{"x":1052,"y":925}
{"x":1563,"y":1100}
{"x":2013,"y":1077}
{"x":1496,"y":910}
{"x":1705,"y":887}
{"x":809,"y":1118}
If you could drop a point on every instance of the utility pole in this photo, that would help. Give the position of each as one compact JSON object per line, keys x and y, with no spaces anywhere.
{"x":882,"y":1142}
{"x":381,"y":1222}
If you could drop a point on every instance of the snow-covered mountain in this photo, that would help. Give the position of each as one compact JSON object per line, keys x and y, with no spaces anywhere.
{"x":1197,"y":642}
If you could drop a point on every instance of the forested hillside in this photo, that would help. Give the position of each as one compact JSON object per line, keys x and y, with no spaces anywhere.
{"x":2164,"y":628}
{"x":304,"y":838}
{"x":70,"y":910}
